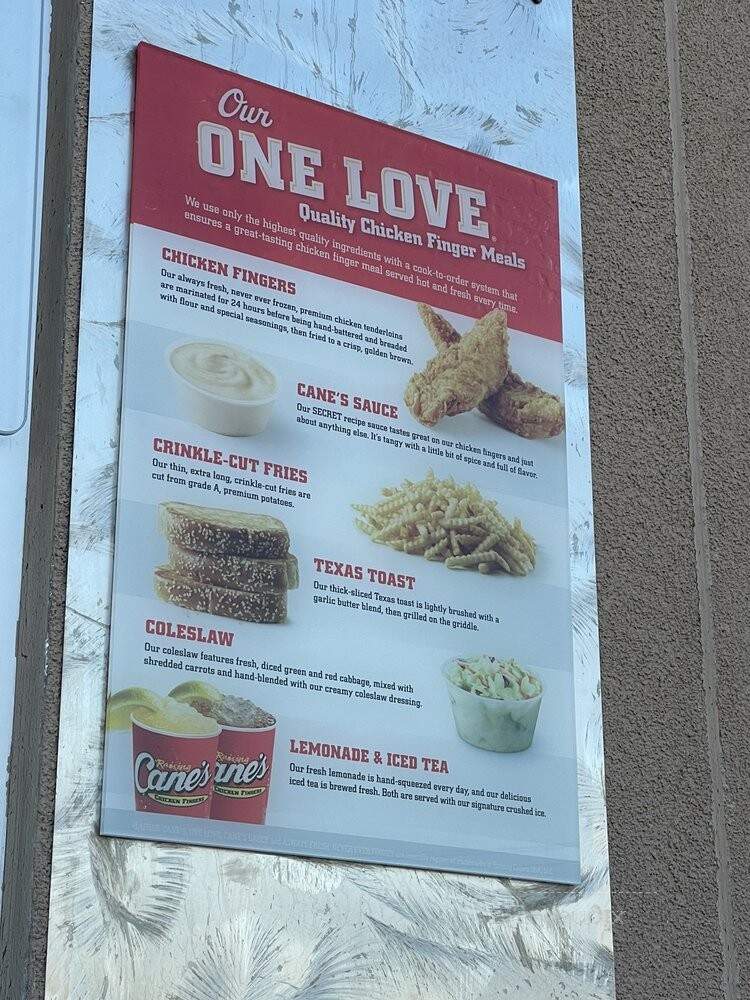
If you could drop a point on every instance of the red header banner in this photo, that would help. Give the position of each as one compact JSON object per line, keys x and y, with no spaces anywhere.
{"x":243,"y":165}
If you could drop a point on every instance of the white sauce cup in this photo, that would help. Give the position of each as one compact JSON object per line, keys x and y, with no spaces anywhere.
{"x":221,"y":414}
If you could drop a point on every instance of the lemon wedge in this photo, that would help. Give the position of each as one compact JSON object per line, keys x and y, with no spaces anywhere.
{"x":196,"y":691}
{"x":120,"y":707}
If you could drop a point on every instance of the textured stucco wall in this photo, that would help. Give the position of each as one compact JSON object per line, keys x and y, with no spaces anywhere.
{"x":714,"y":43}
{"x":663,"y":106}
{"x":664,"y":870}
{"x":664,"y":92}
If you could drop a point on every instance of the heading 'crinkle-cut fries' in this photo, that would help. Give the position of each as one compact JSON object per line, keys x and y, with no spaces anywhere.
{"x":448,"y":522}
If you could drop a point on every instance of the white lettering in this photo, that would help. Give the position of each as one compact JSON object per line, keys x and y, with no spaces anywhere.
{"x":304,"y":160}
{"x":469,"y":202}
{"x":269,"y":163}
{"x":400,"y":205}
{"x":233,"y":104}
{"x":215,"y":149}
{"x":159,"y":780}
{"x":436,"y":208}
{"x":354,"y":196}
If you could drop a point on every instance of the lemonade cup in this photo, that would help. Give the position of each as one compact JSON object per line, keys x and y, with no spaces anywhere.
{"x":243,"y":773}
{"x":173,"y":773}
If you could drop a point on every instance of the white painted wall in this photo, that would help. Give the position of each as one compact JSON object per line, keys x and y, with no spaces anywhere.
{"x":23,"y":94}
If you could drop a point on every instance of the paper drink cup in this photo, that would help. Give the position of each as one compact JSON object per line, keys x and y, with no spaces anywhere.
{"x":243,"y":774}
{"x":173,"y":773}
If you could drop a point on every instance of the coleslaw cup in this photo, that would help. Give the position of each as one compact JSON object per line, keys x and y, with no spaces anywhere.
{"x":503,"y":726}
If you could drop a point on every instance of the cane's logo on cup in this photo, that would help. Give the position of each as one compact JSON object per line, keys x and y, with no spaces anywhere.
{"x":237,"y":777}
{"x":174,"y":753}
{"x":197,"y":752}
{"x":244,"y":756}
{"x":244,"y":761}
{"x":172,"y":783}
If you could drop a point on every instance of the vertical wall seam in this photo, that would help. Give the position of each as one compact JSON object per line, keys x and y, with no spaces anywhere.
{"x":700,"y":517}
{"x":24,"y":910}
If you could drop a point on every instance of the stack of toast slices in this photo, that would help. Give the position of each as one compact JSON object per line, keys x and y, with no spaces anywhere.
{"x":226,"y":562}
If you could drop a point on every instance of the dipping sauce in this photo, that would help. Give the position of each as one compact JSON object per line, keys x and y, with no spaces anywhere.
{"x":224,"y":371}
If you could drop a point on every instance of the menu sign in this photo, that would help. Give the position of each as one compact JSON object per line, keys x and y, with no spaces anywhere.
{"x":341,"y":604}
